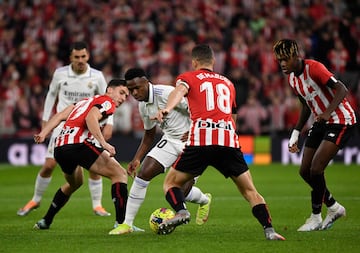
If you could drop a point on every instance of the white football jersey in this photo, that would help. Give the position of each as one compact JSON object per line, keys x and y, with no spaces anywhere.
{"x":176,"y":123}
{"x":67,"y":87}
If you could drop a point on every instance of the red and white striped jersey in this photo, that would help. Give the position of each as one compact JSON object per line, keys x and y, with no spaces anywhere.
{"x":311,"y":85}
{"x":211,"y":98}
{"x":75,"y":129}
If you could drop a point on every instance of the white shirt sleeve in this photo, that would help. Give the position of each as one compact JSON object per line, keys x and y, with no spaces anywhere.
{"x":51,"y":96}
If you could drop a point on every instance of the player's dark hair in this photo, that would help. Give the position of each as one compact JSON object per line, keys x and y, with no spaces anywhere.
{"x":133,"y":73}
{"x":116,"y":82}
{"x":285,"y":49}
{"x":202,"y":53}
{"x":78,"y":45}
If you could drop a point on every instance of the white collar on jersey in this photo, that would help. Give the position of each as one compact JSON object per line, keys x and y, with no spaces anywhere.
{"x":72,"y":73}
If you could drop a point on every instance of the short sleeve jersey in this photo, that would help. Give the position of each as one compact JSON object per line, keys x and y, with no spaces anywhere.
{"x":75,"y":129}
{"x":67,"y":87}
{"x":311,"y":85}
{"x":176,"y":123}
{"x":211,"y":98}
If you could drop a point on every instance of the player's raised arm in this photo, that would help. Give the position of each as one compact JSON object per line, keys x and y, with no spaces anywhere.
{"x":52,"y":123}
{"x":174,"y":98}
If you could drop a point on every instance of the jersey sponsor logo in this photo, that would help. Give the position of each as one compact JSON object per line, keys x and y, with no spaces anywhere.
{"x":215,"y":125}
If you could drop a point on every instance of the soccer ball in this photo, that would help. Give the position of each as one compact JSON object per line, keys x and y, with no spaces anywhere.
{"x":158,"y":216}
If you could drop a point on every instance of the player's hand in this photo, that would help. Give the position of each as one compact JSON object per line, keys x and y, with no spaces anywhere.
{"x":39,"y":138}
{"x":161,"y":114}
{"x":132,"y":168}
{"x":185,"y":136}
{"x":322,"y":118}
{"x":110,"y":149}
{"x":294,"y":148}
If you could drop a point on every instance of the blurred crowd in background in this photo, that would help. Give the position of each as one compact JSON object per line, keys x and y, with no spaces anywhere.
{"x":158,"y":35}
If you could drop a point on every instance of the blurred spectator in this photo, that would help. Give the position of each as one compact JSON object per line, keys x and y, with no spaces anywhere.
{"x":159,"y":35}
{"x":25,"y":120}
{"x":338,"y":57}
{"x":251,"y":116}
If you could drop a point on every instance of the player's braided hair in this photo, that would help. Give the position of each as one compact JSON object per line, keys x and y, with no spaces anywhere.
{"x":286,"y":48}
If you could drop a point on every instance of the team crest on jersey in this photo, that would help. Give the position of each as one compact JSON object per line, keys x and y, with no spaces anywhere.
{"x":106,"y":105}
{"x":90,"y":85}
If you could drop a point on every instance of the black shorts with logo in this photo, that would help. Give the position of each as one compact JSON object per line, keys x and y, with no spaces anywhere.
{"x":71,"y":155}
{"x":195,"y":159}
{"x":335,"y":133}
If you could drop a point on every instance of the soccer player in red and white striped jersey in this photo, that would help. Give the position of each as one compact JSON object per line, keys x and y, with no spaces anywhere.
{"x":324,"y":96}
{"x":212,"y":140}
{"x":82,"y":143}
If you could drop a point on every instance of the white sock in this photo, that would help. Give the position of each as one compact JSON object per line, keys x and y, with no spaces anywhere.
{"x":41,"y":184}
{"x":334,"y":207}
{"x":136,"y":198}
{"x":196,"y":196}
{"x":96,"y":188}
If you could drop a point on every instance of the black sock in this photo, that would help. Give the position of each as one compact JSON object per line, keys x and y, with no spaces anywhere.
{"x":176,"y":198}
{"x":317,"y":194}
{"x":58,"y":202}
{"x":119,"y":194}
{"x":328,"y":198}
{"x":262,"y":214}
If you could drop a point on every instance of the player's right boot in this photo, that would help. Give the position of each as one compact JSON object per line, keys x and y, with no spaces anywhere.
{"x":314,"y":222}
{"x":31,"y":205}
{"x":334,"y":212}
{"x":41,"y":224}
{"x":270,"y":234}
{"x":100,"y":211}
{"x":181,"y":217}
{"x":202,"y":214}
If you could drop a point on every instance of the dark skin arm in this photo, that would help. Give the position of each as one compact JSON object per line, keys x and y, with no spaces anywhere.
{"x":304,"y":116}
{"x":144,"y":147}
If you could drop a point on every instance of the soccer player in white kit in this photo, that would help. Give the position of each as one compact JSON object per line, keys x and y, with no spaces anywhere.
{"x":164,"y":153}
{"x":69,"y":85}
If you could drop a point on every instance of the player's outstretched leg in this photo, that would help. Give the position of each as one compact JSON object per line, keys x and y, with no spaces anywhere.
{"x":181,"y":217}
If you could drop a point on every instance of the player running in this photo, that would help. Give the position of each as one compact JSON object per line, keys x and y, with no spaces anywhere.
{"x":164,"y":153}
{"x":81,"y":143}
{"x":212,"y":140}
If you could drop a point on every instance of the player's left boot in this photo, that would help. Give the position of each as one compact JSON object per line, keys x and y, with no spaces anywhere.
{"x":41,"y":224}
{"x":100,"y":211}
{"x":202,"y":214}
{"x":270,"y":234}
{"x":121,"y":229}
{"x":135,"y":228}
{"x":314,"y":222}
{"x":334,"y":212}
{"x":181,"y":217}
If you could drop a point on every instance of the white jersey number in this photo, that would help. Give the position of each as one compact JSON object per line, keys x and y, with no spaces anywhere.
{"x":222,"y":96}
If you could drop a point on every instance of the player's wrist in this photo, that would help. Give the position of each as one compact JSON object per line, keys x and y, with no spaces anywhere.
{"x":294,"y":137}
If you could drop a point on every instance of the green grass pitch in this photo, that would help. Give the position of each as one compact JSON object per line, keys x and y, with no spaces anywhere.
{"x":230,"y":228}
